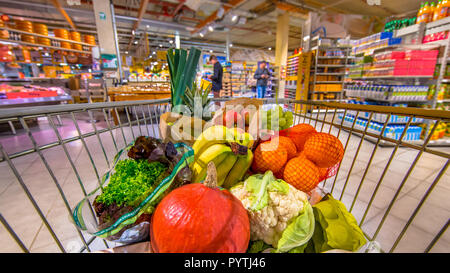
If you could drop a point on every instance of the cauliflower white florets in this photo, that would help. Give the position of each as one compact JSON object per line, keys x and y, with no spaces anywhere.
{"x":268,"y":223}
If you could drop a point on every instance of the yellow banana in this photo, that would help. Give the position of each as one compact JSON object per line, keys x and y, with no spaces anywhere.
{"x":224,"y":168}
{"x":239,"y":169}
{"x":242,"y":138}
{"x":217,"y":134}
{"x":216,"y":153}
{"x":200,"y":172}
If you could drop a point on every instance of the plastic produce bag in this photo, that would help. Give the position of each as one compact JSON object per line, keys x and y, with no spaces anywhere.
{"x":133,"y":223}
{"x":336,"y":228}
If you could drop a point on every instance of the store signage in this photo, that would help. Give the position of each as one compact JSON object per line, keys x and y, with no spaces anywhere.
{"x":102,"y":16}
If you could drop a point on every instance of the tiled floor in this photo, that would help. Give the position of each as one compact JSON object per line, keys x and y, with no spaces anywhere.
{"x":22,"y":217}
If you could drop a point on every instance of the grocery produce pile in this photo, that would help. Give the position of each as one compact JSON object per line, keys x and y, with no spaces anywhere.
{"x":239,"y":194}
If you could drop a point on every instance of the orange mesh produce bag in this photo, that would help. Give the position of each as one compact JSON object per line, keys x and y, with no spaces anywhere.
{"x":325,"y":173}
{"x":279,"y":174}
{"x":301,"y":173}
{"x":269,"y":156}
{"x":324,"y":150}
{"x":298,"y":134}
{"x":286,"y":143}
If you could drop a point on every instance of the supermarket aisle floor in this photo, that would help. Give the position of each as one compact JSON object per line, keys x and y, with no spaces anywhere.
{"x":20,"y":214}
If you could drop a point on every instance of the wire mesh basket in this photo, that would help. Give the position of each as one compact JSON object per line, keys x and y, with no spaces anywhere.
{"x":395,"y":184}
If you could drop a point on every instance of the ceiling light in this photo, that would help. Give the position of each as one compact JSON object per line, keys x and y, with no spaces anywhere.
{"x":210,"y":28}
{"x":231,"y":45}
{"x":234,"y":18}
{"x":171,"y":41}
{"x":148,"y":26}
{"x":153,"y":52}
{"x":270,"y":48}
{"x":132,"y":32}
{"x":160,"y":45}
{"x":126,"y":52}
{"x":135,"y":42}
{"x":201,"y":34}
{"x":210,"y":51}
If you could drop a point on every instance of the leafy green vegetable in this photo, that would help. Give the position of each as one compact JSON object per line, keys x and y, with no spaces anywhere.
{"x":336,"y":228}
{"x":257,"y":246}
{"x":299,"y":231}
{"x":260,"y":185}
{"x":131,"y":180}
{"x":182,"y":69}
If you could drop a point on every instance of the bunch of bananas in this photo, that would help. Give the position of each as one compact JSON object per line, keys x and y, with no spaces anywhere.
{"x":229,"y":149}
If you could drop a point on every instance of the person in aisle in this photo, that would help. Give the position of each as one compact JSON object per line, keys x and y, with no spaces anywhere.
{"x":262,"y":74}
{"x":216,"y":78}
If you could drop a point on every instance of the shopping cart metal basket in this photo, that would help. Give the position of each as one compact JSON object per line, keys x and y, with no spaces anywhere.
{"x":393,"y":182}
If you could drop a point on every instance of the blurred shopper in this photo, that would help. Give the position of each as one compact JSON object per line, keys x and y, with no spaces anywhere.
{"x":216,"y":78}
{"x":261,"y":76}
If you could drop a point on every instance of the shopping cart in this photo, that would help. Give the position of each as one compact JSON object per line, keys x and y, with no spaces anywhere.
{"x":385,"y":180}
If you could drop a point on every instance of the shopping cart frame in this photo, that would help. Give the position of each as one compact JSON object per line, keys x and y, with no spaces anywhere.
{"x":316,"y":113}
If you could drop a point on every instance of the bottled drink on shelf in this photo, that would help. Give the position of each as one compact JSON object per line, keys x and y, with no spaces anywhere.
{"x":426,"y":13}
{"x":436,"y":11}
{"x":444,"y":11}
{"x":419,"y":14}
{"x":431,"y":12}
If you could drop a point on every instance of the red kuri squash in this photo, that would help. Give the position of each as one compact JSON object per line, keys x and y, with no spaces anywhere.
{"x":200,"y":218}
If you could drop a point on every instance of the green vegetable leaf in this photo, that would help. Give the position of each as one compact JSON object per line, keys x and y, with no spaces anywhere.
{"x":338,"y":228}
{"x":132,"y":181}
{"x":279,"y":186}
{"x":257,"y":246}
{"x":299,"y":231}
{"x":260,"y":185}
{"x":257,"y":184}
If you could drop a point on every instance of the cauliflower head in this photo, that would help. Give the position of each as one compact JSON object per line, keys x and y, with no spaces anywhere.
{"x":271,"y":203}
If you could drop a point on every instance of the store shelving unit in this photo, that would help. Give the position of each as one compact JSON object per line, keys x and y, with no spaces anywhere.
{"x":412,"y":37}
{"x":54,"y":40}
{"x":328,"y":70}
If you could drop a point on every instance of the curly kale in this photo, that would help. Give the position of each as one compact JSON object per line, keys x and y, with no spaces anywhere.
{"x":131,"y":181}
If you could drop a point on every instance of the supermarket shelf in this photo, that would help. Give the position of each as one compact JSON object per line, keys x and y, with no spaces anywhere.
{"x":44,"y":36}
{"x":8,"y":102}
{"x":331,"y":57}
{"x":326,"y":82}
{"x":391,"y":77}
{"x":443,"y":142}
{"x":15,"y":80}
{"x":315,"y":111}
{"x":44,"y":46}
{"x":330,"y":47}
{"x":331,"y":65}
{"x":389,"y":101}
{"x":314,"y":92}
{"x":330,"y":74}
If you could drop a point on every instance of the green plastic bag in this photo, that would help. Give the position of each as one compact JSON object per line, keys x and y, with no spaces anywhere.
{"x":125,"y":229}
{"x":336,"y":228}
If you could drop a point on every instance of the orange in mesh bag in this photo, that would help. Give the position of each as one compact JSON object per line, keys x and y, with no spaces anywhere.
{"x":299,"y":134}
{"x":269,"y":156}
{"x":324,"y":150}
{"x":301,"y":173}
{"x":286,"y":143}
